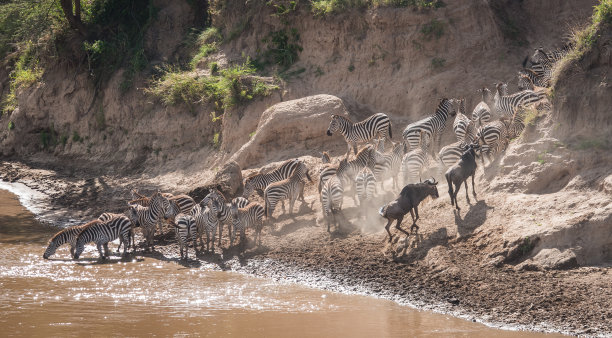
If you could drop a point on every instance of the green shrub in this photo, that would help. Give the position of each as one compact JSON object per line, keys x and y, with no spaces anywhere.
{"x":327,"y":7}
{"x":204,"y":51}
{"x":11,"y":125}
{"x":76,"y":137}
{"x":432,"y":29}
{"x":437,"y":62}
{"x":216,"y":140}
{"x":213,"y":67}
{"x":283,"y":48}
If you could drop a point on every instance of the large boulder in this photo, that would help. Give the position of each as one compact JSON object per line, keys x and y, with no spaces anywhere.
{"x":228,"y":180}
{"x":292,"y":129}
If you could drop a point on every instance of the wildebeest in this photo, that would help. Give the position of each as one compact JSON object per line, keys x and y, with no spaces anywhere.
{"x":409,"y":199}
{"x":459,"y":173}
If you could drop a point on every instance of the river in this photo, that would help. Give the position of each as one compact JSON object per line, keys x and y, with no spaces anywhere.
{"x":146,"y":296}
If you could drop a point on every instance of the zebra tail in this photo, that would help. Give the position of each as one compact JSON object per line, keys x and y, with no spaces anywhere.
{"x":308,"y":176}
{"x":390,"y":132}
{"x":525,"y":61}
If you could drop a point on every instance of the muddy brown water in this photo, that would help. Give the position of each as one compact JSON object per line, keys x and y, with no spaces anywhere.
{"x":145,"y":296}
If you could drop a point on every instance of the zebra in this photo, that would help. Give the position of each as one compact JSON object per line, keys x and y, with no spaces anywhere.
{"x":67,"y":235}
{"x":147,"y":217}
{"x":185,"y":229}
{"x":223,"y":210}
{"x":289,"y":188}
{"x":185,"y":203}
{"x":493,"y":137}
{"x":207,"y":223}
{"x":360,"y":132}
{"x":107,"y":216}
{"x":260,"y":182}
{"x":331,"y":199}
{"x":103,"y":232}
{"x":250,"y":216}
{"x":529,"y":80}
{"x":513,"y":106}
{"x":463,"y":126}
{"x":432,"y":126}
{"x":326,"y":171}
{"x":388,"y":165}
{"x":416,"y":160}
{"x":365,"y":185}
{"x":347,"y":170}
{"x":525,"y":82}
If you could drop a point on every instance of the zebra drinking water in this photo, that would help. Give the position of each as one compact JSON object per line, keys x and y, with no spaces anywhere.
{"x":103,"y":232}
{"x":68,"y":235}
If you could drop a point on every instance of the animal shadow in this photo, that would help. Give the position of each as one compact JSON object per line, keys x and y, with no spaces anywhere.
{"x":473,"y":218}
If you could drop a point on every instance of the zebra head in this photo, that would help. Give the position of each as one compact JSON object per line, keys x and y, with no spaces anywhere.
{"x":172,"y":211}
{"x":249,"y":186}
{"x":53,"y":245}
{"x":160,"y":202}
{"x":334,"y":125}
{"x":132,"y":215}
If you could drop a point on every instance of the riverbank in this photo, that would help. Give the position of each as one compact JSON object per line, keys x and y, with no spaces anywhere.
{"x":445,"y":272}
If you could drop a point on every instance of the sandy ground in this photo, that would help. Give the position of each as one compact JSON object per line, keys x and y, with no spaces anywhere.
{"x":446,"y":267}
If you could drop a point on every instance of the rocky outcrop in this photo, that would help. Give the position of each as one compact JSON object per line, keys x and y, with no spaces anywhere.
{"x":291,"y":129}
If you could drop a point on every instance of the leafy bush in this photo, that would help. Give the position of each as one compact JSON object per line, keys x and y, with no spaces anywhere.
{"x":326,"y":7}
{"x":437,"y":62}
{"x":283,"y":48}
{"x":11,"y":125}
{"x":26,"y":72}
{"x":232,"y":86}
{"x":432,"y":29}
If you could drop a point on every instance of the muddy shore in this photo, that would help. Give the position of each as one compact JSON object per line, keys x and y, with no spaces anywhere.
{"x":443,"y":272}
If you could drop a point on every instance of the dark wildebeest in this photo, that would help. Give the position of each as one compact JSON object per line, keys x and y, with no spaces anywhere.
{"x":459,"y":173}
{"x":409,"y":199}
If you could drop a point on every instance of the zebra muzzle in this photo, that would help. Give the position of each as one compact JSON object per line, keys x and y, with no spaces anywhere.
{"x":329,"y":133}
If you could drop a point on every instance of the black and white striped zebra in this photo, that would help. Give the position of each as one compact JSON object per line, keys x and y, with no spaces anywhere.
{"x":289,"y":188}
{"x":482,"y":112}
{"x":348,"y":170}
{"x":148,"y":217}
{"x":250,"y":216}
{"x":260,"y":182}
{"x":326,"y":171}
{"x":207,"y":223}
{"x":493,"y":138}
{"x":103,"y":232}
{"x":332,"y":195}
{"x":223,"y":210}
{"x":415,"y":161}
{"x":185,"y":230}
{"x":360,"y":132}
{"x":184,"y":202}
{"x":432,"y":126}
{"x":463,"y":125}
{"x":68,"y":235}
{"x":528,"y":80}
{"x":107,"y":216}
{"x":388,"y":165}
{"x":513,"y":106}
{"x":365,"y":185}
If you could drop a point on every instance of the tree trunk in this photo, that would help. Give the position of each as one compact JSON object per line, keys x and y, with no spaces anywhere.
{"x":73,"y":20}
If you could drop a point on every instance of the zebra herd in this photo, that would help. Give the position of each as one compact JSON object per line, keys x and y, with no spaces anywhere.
{"x":494,"y":121}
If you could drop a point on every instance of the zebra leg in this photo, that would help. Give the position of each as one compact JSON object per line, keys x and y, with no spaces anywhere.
{"x":106,"y":251}
{"x":207,"y":240}
{"x":99,"y":245}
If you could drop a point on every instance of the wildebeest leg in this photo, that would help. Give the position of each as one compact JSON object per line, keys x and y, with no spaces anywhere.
{"x":457,"y":187}
{"x":450,"y":190}
{"x":397,"y":226}
{"x":466,"y":191}
{"x":390,"y":220}
{"x":473,"y":189}
{"x":416,"y":211}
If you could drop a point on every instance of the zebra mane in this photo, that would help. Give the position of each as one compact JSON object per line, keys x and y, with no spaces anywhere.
{"x":76,"y":227}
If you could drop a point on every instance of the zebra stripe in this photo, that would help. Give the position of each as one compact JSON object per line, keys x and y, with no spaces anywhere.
{"x":509,"y":105}
{"x":432,"y":125}
{"x":493,"y":137}
{"x":250,"y":216}
{"x":365,"y":185}
{"x":360,"y":132}
{"x":147,"y":217}
{"x":289,"y":188}
{"x":207,"y":223}
{"x":451,"y":153}
{"x":463,"y":126}
{"x":107,"y":216}
{"x":331,"y":199}
{"x":68,"y":235}
{"x":415,"y":161}
{"x":325,"y":173}
{"x":103,"y":232}
{"x":185,"y":229}
{"x":388,"y":165}
{"x":260,"y":182}
{"x":529,"y":80}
